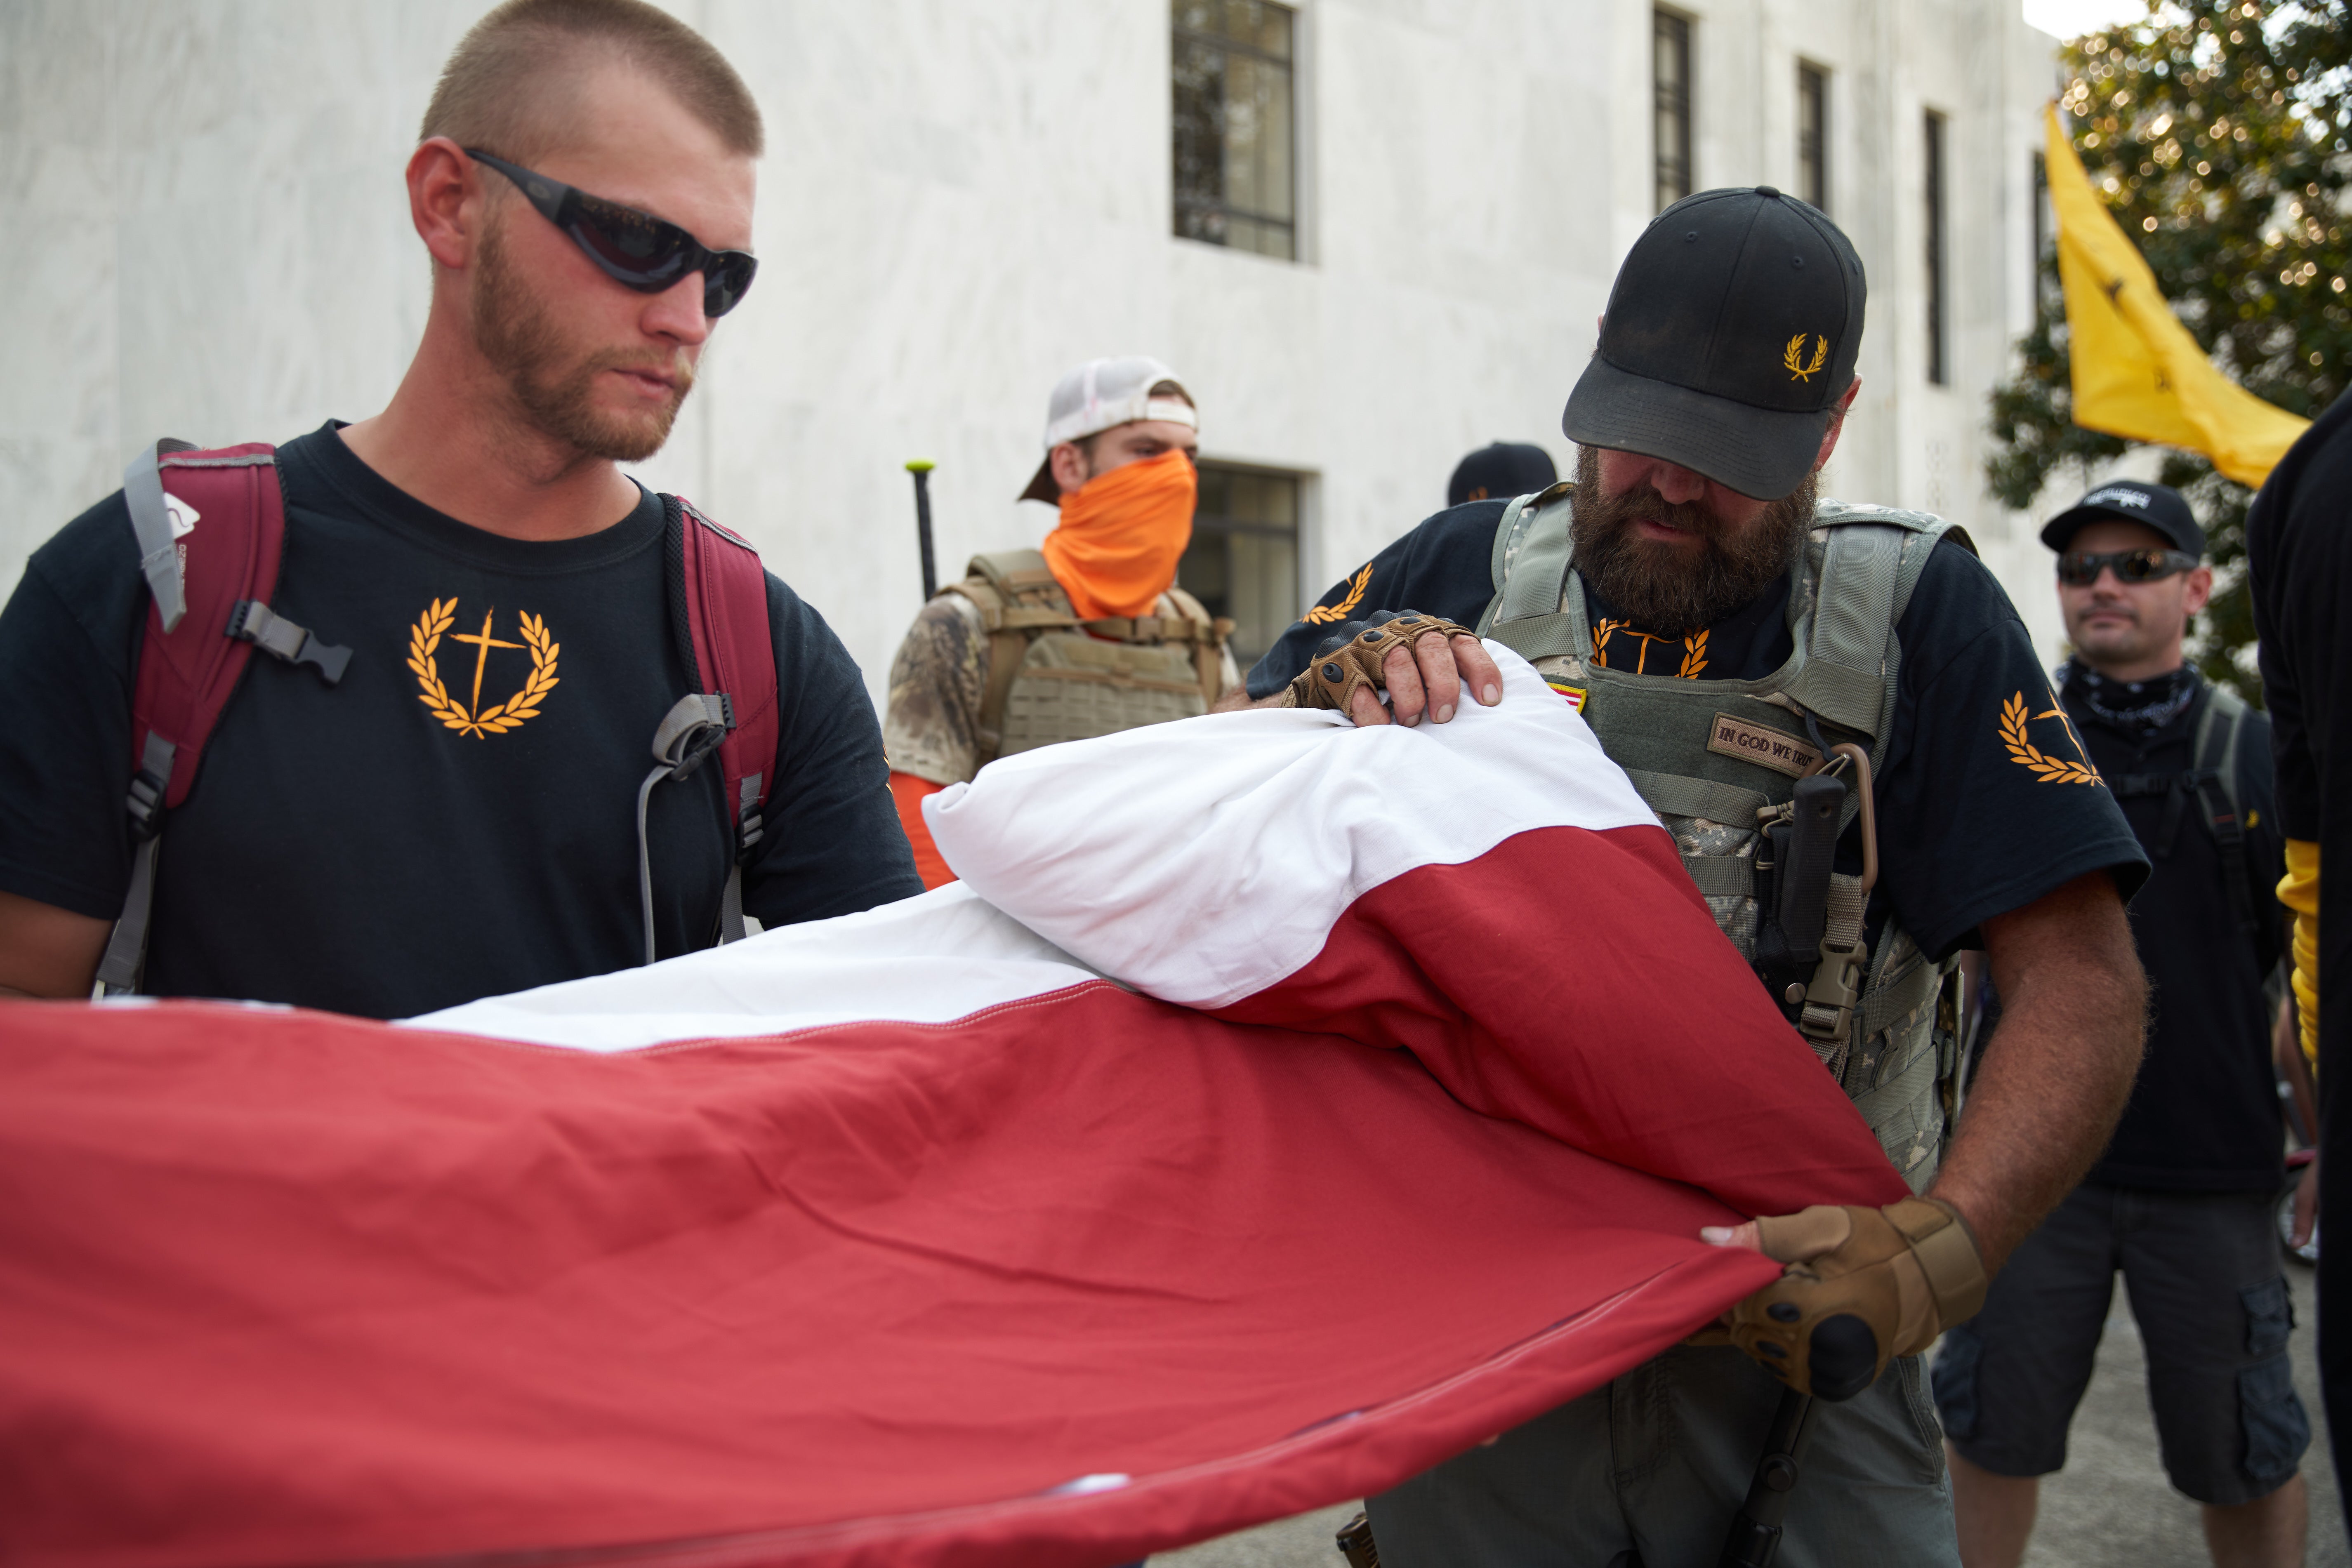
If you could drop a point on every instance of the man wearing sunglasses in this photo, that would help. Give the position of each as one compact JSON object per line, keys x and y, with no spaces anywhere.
{"x":2182,"y":1202}
{"x":452,"y":816}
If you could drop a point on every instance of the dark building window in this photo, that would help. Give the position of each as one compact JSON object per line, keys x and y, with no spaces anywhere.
{"x":2041,"y":211}
{"x":1244,"y":558}
{"x":1670,"y":70}
{"x":1933,"y":149}
{"x":1235,"y":179}
{"x":1813,"y":136}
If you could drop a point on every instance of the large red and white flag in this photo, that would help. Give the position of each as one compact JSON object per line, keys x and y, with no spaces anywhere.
{"x":1275,"y":1109}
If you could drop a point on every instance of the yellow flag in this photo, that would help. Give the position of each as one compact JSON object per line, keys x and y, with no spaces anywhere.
{"x":2138,"y":373}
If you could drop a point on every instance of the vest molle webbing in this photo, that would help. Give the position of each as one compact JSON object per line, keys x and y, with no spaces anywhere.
{"x":1718,"y":760}
{"x":1053,"y":677}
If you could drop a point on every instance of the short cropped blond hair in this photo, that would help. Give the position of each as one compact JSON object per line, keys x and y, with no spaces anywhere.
{"x":505,"y":87}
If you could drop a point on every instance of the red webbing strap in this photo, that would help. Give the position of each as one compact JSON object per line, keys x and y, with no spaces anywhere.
{"x":727,"y":612}
{"x":236,"y":519}
{"x":185,"y":676}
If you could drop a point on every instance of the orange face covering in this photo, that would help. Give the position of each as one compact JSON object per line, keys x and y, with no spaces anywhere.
{"x":1121,"y":535}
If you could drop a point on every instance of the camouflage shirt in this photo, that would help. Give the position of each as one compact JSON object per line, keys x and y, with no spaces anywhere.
{"x":931,"y":726}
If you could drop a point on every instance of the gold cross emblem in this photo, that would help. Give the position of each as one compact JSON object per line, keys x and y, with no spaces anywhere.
{"x":482,"y":646}
{"x":471,"y":718}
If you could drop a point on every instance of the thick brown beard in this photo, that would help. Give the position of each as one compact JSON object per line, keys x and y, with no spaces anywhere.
{"x":552,"y":381}
{"x":1669,"y":589}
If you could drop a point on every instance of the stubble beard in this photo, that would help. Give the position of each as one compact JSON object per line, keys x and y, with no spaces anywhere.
{"x":1674,"y":589}
{"x":552,"y":381}
{"x":2112,"y":646}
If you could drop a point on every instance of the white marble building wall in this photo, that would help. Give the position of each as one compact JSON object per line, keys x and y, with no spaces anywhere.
{"x":962,"y":200}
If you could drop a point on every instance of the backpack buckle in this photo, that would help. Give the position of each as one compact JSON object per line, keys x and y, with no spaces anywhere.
{"x":748,"y":825}
{"x":253,"y":621}
{"x":149,"y":785}
{"x":691,"y":731}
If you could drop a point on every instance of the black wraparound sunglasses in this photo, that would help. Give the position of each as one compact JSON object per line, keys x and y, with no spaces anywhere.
{"x":631,"y":247}
{"x":2080,"y":568}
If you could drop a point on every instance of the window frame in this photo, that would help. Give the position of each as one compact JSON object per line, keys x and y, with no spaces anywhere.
{"x":1289,"y":599}
{"x":1179,"y":201}
{"x":1813,"y":145}
{"x":1673,"y":101}
{"x":1935,"y":163}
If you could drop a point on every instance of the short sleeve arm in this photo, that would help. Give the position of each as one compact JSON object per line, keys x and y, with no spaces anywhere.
{"x":1443,"y":567}
{"x":931,"y":725}
{"x":68,"y":646}
{"x":831,"y":843}
{"x":1987,"y":800}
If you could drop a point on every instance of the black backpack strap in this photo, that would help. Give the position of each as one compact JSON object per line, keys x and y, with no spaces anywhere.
{"x":2213,"y":779}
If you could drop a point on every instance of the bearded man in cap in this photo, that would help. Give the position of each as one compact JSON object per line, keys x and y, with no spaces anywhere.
{"x":1841,"y":719}
{"x":1087,"y":635}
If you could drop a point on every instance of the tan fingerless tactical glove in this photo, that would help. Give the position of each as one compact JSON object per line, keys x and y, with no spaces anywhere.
{"x":1342,"y":668}
{"x":1862,"y":1286}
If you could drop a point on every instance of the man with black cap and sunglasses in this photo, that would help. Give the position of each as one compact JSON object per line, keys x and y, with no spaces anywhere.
{"x":2183,"y":1200}
{"x":477,"y":618}
{"x":1838,"y":714}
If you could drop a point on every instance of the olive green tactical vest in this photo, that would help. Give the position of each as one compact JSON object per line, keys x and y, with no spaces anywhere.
{"x":1709,"y":756}
{"x":1053,"y":677}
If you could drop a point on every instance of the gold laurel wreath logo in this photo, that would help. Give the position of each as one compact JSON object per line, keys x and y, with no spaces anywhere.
{"x":425,"y":639}
{"x":1694,"y":656}
{"x":2025,"y":754}
{"x":1792,"y":357}
{"x":1601,"y":632}
{"x":1324,"y":614}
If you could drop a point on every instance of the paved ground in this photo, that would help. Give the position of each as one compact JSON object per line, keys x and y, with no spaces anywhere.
{"x":2109,"y":1507}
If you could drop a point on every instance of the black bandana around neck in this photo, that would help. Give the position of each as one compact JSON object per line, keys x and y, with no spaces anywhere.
{"x":2147,"y":704}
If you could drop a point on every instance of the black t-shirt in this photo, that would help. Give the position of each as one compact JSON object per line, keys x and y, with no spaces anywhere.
{"x":344,"y":847}
{"x":2204,"y":1115}
{"x":1968,"y":826}
{"x":2299,"y":555}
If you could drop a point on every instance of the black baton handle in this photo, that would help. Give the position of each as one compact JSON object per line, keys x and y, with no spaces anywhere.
{"x":920,"y":468}
{"x":1755,"y":1537}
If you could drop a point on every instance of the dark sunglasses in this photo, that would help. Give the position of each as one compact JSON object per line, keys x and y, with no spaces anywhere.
{"x":632,"y":248}
{"x":2079,"y":570}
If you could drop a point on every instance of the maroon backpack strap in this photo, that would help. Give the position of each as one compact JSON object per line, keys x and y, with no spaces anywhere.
{"x":719,"y":613}
{"x":735,"y":652}
{"x":211,"y":526}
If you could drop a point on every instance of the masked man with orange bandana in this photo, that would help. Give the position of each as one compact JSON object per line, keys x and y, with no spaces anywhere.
{"x":1088,"y":635}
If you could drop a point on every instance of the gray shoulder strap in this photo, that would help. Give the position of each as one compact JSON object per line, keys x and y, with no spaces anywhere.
{"x":1529,"y":565}
{"x":2216,"y":743}
{"x":151,"y":524}
{"x":1870,"y":564}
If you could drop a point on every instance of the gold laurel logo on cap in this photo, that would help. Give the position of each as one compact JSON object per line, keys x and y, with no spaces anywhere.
{"x":1792,"y":357}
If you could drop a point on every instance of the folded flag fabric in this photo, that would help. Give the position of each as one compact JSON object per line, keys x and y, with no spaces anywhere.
{"x":1275,"y":1109}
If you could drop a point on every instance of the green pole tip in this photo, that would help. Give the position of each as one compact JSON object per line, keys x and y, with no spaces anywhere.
{"x":920,"y":465}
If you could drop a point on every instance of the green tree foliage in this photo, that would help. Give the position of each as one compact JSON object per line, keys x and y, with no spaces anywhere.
{"x":2221,"y":137}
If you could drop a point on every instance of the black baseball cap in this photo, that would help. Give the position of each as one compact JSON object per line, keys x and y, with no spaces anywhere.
{"x":2157,"y":506}
{"x":1732,"y":331}
{"x":1504,"y":468}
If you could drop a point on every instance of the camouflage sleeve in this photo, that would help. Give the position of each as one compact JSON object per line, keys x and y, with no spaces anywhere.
{"x":930,"y":727}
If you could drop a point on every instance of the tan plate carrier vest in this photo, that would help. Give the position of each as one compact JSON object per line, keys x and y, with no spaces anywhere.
{"x":1053,"y":677}
{"x":1883,"y":1019}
